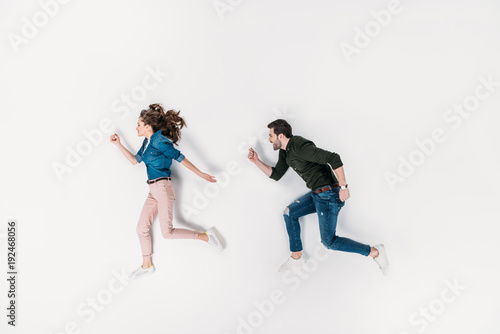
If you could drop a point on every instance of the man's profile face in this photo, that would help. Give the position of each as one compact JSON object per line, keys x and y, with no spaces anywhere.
{"x":274,"y":140}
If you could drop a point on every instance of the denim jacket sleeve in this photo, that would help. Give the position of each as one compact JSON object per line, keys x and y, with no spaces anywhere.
{"x":138,"y":156}
{"x":281,"y":167}
{"x":166,"y":147}
{"x":308,"y":151}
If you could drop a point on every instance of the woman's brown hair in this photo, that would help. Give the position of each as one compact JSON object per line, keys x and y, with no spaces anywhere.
{"x":170,"y":123}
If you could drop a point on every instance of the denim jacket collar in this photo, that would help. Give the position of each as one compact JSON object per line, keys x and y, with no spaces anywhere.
{"x":155,"y":135}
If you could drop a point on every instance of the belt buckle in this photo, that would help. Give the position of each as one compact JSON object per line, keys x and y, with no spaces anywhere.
{"x":320,"y":190}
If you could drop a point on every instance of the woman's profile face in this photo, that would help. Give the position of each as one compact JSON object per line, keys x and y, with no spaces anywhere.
{"x":141,"y":128}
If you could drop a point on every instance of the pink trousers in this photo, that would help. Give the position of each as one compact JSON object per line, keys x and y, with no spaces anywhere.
{"x":160,"y":201}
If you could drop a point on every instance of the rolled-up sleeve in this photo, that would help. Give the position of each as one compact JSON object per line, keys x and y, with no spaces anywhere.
{"x":281,"y":167}
{"x":180,"y":157}
{"x":308,"y":151}
{"x":138,"y":156}
{"x":168,"y":149}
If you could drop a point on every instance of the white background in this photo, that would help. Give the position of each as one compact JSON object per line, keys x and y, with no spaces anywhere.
{"x":230,"y":74}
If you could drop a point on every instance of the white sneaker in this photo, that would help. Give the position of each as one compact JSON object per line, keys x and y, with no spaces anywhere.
{"x":381,"y":259}
{"x":213,"y":239}
{"x":292,"y":264}
{"x":138,"y":273}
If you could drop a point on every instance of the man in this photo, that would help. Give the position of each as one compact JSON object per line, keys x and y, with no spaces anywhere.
{"x":326,"y":198}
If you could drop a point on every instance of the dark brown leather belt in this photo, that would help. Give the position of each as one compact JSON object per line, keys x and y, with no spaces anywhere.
{"x":158,"y":179}
{"x":326,"y":188}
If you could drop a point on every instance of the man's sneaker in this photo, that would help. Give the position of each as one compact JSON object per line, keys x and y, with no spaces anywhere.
{"x":292,"y":264}
{"x":381,"y":259}
{"x":213,"y":239}
{"x":142,"y":272}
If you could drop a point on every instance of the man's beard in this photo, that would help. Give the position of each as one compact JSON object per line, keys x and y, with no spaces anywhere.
{"x":276,"y":145}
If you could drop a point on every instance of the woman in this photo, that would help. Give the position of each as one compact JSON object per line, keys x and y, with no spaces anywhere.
{"x":162,"y":131}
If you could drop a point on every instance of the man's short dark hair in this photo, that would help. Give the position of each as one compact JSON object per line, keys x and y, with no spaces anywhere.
{"x":281,"y":126}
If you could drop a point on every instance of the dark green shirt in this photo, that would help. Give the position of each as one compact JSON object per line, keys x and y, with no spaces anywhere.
{"x":311,"y":163}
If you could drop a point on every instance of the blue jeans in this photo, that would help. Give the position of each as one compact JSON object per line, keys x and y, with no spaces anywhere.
{"x":327,"y":205}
